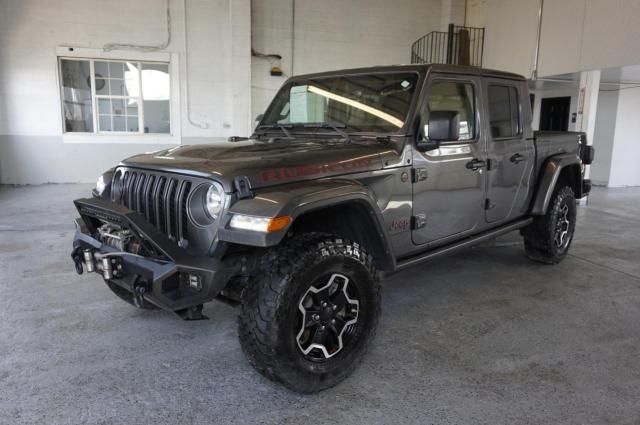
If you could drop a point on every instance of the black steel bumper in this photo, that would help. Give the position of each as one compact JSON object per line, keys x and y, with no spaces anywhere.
{"x":586,"y":187}
{"x":166,"y":281}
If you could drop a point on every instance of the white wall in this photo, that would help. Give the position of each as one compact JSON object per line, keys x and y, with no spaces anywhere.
{"x":604,"y":136}
{"x":561,"y":38}
{"x":335,"y":34}
{"x":452,"y":12}
{"x":510,"y":35}
{"x":577,"y":35}
{"x":611,"y":34}
{"x":271,"y":33}
{"x":475,"y":13}
{"x":589,"y":34}
{"x":626,"y":145}
{"x":33,"y":148}
{"x":329,"y":34}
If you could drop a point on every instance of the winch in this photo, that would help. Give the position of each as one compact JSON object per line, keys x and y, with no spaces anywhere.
{"x":114,"y":236}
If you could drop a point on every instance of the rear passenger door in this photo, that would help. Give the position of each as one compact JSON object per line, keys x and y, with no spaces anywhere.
{"x":510,"y":153}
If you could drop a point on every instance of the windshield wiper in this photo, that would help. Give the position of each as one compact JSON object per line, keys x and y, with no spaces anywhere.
{"x":281,"y":127}
{"x":383,"y":139}
{"x":334,"y":126}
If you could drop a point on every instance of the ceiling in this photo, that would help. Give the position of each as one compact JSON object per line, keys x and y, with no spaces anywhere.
{"x":610,"y":77}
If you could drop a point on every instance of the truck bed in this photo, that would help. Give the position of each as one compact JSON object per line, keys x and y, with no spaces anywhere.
{"x":550,"y":143}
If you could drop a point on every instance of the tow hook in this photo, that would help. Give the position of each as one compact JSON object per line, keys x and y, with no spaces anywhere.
{"x":192,"y":313}
{"x":139,"y":289}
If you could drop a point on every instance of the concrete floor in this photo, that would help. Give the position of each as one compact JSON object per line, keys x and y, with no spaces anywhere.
{"x":482,"y":337}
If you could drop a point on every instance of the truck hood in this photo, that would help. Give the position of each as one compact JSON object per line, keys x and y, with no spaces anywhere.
{"x":267,"y":164}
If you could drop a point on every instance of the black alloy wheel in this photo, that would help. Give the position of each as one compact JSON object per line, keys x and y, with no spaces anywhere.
{"x":310,"y":313}
{"x":328,"y":317}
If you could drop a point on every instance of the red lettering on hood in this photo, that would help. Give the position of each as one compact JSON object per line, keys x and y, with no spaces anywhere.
{"x":293,"y":173}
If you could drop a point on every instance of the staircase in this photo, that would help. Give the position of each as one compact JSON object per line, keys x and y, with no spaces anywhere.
{"x":457,"y":46}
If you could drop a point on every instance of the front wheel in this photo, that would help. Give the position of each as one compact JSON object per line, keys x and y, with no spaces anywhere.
{"x":307,"y":321}
{"x":548,"y":238}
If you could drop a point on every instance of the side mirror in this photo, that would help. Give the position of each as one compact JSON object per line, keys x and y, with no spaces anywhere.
{"x":443,"y":126}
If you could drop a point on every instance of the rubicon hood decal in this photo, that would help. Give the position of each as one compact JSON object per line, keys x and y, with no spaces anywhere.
{"x":266,"y":164}
{"x":295,"y":173}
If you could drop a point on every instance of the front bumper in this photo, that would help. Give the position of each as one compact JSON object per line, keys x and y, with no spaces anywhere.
{"x":173,"y":281}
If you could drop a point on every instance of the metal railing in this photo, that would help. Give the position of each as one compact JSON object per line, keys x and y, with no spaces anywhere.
{"x":458,"y":46}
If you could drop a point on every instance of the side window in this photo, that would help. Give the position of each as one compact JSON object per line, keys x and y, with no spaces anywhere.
{"x":504,"y":111}
{"x":458,"y":97}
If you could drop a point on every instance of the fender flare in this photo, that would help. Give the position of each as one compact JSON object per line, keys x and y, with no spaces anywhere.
{"x":550,"y":173}
{"x":297,"y":199}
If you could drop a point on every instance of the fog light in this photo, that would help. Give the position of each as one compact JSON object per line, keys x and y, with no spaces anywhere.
{"x":195,"y":282}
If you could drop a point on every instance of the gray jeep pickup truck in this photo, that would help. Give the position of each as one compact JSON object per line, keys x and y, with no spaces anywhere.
{"x":349,"y":175}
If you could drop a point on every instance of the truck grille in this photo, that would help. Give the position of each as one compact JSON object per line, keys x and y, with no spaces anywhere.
{"x":161,"y":198}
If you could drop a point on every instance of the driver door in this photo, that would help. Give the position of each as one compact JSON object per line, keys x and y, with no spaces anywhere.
{"x":449,"y":182}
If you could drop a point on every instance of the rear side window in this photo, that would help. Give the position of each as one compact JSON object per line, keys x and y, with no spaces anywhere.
{"x":458,"y":97}
{"x":504,"y":111}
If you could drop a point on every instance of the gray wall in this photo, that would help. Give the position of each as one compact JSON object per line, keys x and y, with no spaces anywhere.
{"x":46,"y":159}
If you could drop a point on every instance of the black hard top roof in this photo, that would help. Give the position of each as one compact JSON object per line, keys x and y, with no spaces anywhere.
{"x":453,"y":69}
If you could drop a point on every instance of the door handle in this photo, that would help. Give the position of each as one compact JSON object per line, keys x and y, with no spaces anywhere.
{"x":475,"y":164}
{"x":516,"y":158}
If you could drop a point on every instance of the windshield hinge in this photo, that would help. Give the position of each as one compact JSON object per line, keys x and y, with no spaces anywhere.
{"x":243,"y":187}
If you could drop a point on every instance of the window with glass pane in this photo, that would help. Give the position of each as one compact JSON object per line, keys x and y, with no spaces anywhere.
{"x":504,"y":111}
{"x":77,"y":105}
{"x":155,"y":97}
{"x":118,"y":96}
{"x":128,"y":97}
{"x":458,"y":97}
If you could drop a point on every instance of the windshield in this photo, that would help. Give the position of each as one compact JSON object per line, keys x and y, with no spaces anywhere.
{"x":359,"y":103}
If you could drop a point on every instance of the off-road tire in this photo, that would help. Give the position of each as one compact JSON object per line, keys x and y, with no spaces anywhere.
{"x":540,"y":236}
{"x":127,"y":296}
{"x":267,"y":321}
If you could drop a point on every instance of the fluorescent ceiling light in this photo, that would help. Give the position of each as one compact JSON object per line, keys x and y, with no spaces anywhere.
{"x":366,"y":108}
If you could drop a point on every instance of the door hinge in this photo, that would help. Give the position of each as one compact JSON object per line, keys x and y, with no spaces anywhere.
{"x":488,"y":205}
{"x":418,"y":221}
{"x":418,"y":174}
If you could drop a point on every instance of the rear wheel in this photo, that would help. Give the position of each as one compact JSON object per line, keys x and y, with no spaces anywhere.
{"x":308,"y":319}
{"x":548,"y":238}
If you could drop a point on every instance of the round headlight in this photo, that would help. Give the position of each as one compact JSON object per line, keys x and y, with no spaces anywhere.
{"x":214,"y":201}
